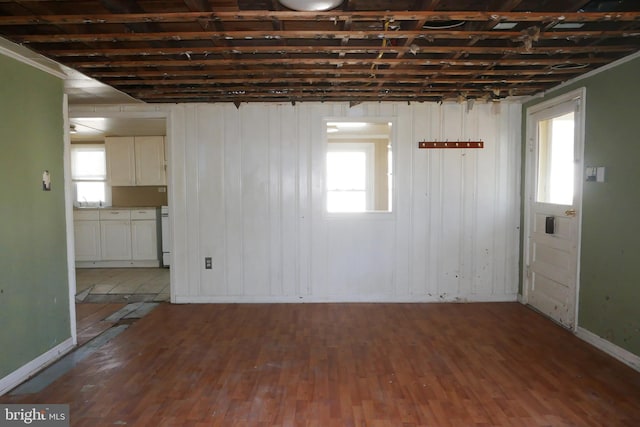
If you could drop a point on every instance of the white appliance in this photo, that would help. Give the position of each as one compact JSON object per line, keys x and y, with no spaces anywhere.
{"x":166,"y":236}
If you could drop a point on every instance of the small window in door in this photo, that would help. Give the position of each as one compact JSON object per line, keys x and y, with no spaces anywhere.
{"x":556,"y":160}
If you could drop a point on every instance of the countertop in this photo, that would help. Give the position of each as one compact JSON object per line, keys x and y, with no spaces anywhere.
{"x":86,"y":208}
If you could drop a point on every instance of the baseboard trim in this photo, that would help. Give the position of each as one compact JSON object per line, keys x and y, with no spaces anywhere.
{"x":25,"y":371}
{"x":240,"y":299}
{"x":610,"y":348}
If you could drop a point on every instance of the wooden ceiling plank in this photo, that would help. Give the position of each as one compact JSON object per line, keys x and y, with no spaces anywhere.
{"x":151,"y":93}
{"x":504,"y":6}
{"x":324,"y":80}
{"x":426,"y":4}
{"x":318,"y":35}
{"x":333,"y":16}
{"x":320,"y":92}
{"x":332,"y":49}
{"x":277,"y":73}
{"x":204,"y":6}
{"x":340,"y":62}
{"x":344,"y":54}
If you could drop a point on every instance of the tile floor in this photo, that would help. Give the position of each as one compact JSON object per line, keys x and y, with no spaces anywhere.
{"x":117,"y":285}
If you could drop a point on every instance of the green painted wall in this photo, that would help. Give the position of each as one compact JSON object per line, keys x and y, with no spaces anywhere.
{"x":609,"y":298}
{"x":34,"y":288}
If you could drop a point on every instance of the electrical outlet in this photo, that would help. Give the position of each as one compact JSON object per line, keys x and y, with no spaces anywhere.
{"x":208,"y":263}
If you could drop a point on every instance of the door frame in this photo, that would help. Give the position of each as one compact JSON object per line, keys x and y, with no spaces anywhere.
{"x":144,"y":111}
{"x":531,"y":182}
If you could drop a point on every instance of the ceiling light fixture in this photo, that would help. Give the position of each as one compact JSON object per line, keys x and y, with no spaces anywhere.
{"x":311,"y":5}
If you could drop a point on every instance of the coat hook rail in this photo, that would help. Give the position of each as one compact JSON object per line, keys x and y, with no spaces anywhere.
{"x":451,"y":144}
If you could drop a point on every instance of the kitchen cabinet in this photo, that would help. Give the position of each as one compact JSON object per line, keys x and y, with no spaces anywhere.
{"x":86,"y":226}
{"x":136,"y":160}
{"x":116,"y":237}
{"x":121,"y":167}
{"x":144,"y":235}
{"x":150,"y":160}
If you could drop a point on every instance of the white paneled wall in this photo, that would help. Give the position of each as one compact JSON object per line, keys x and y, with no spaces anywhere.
{"x":246,"y":188}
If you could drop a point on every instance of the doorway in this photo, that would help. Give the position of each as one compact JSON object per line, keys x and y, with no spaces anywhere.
{"x":107,"y":289}
{"x":553,"y":195}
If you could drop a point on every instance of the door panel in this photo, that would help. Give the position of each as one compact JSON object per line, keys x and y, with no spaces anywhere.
{"x":554,"y":195}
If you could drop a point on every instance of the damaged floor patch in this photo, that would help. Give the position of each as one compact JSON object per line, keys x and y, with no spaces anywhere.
{"x":50,"y":374}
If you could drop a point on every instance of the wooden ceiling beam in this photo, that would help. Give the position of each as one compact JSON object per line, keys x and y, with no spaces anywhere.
{"x":197,"y":52}
{"x":316,"y":35}
{"x":332,"y":16}
{"x":237,"y":100}
{"x":326,"y":80}
{"x":119,"y":7}
{"x":340,"y":62}
{"x":278,"y":73}
{"x":347,"y":49}
{"x":354,"y":93}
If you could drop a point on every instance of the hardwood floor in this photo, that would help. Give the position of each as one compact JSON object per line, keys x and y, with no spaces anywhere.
{"x":347,"y":365}
{"x":90,"y":319}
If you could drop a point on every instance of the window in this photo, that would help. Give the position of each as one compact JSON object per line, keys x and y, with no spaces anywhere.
{"x":349,"y":180}
{"x":556,"y":160}
{"x":358,"y":166}
{"x":89,"y":174}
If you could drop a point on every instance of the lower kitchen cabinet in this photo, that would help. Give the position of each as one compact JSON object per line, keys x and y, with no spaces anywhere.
{"x":87,"y":239}
{"x":116,"y":238}
{"x":144,"y":235}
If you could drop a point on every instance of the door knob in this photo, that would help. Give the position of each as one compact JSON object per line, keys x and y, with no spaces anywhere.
{"x":570,"y":212}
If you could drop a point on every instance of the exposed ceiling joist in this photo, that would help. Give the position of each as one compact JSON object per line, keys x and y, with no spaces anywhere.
{"x":248,"y":16}
{"x":258,"y":50}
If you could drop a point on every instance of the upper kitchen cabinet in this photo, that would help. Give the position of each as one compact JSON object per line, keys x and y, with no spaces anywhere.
{"x":121,"y":161}
{"x":149,"y":153}
{"x":136,"y":160}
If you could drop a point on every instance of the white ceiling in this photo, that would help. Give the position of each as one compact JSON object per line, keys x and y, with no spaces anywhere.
{"x":82,"y":90}
{"x":97,"y":128}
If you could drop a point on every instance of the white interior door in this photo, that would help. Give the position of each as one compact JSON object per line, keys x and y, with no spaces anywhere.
{"x":554,"y":194}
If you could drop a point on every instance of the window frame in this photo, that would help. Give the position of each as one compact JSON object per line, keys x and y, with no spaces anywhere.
{"x":391,"y":174}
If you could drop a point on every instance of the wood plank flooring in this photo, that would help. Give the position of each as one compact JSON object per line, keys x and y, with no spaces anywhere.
{"x":90,"y":319}
{"x":497,"y":364}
